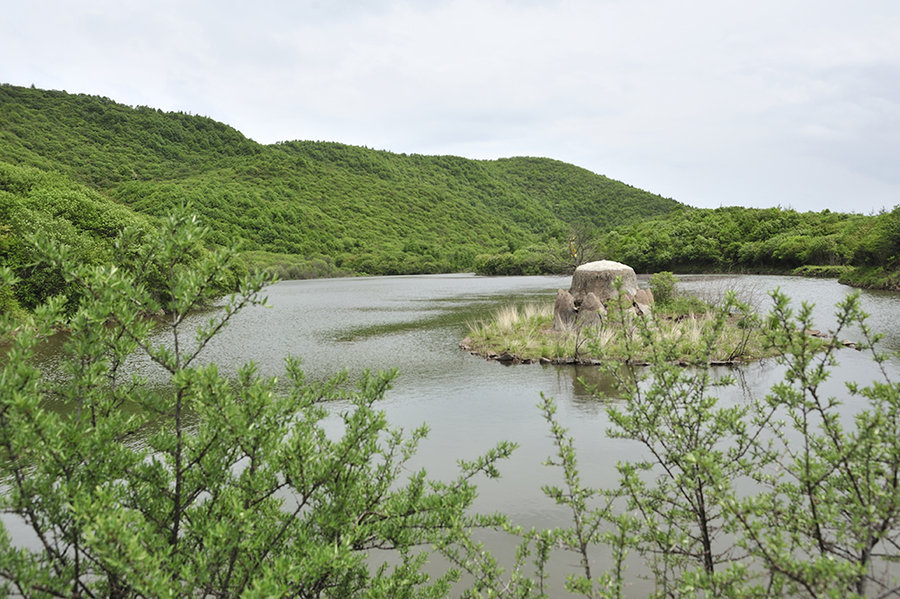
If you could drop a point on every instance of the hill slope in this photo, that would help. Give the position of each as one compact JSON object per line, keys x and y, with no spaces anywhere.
{"x":37,"y":203}
{"x":861,"y":250}
{"x":352,"y":208}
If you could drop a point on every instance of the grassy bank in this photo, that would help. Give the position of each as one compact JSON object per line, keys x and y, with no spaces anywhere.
{"x":687,"y":332}
{"x":835,"y":271}
{"x":865,"y":277}
{"x":872,"y":277}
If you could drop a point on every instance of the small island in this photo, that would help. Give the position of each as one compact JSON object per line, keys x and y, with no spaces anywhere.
{"x":605,"y":316}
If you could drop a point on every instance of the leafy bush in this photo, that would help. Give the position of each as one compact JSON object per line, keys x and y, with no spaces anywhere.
{"x":238,"y":490}
{"x":775,"y":496}
{"x":684,"y":304}
{"x":662,"y":285}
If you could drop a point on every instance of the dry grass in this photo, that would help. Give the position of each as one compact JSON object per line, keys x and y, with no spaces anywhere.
{"x":512,"y":318}
{"x":526,"y":332}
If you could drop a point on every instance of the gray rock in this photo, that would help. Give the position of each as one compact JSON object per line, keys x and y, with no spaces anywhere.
{"x":643,"y":296}
{"x":642,"y":309}
{"x":564,"y":312}
{"x":598,"y":277}
{"x":591,"y":311}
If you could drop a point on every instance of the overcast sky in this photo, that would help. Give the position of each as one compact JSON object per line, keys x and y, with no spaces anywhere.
{"x":791,"y":103}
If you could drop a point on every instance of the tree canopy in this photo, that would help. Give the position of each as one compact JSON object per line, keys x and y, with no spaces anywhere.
{"x":350,"y":208}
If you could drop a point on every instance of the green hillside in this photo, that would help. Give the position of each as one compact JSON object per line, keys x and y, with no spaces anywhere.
{"x":860,"y":250}
{"x":341,"y":208}
{"x":82,"y":168}
{"x":42,"y":208}
{"x":52,"y":208}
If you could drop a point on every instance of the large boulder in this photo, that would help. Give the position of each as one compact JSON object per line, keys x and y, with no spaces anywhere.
{"x":643,"y":300}
{"x":564,"y":311}
{"x":643,"y":296}
{"x":598,"y":277}
{"x":591,"y":311}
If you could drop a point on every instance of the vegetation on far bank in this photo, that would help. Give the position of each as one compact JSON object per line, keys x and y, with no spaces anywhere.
{"x":873,"y":277}
{"x":861,"y":250}
{"x":82,"y":168}
{"x":39,"y":207}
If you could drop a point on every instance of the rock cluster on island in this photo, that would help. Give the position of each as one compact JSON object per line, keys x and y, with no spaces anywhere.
{"x":593,"y":286}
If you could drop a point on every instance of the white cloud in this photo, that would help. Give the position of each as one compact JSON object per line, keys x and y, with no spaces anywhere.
{"x":711,"y":102}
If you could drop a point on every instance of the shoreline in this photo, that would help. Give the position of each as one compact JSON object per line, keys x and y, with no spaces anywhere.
{"x":508,"y":358}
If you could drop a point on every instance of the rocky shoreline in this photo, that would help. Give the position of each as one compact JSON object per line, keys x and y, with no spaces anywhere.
{"x":506,"y":357}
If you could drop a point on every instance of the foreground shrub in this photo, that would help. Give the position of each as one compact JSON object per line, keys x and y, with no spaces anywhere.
{"x":795,"y":494}
{"x":236,"y":489}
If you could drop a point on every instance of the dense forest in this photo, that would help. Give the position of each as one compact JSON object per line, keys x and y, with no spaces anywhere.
{"x":40,"y":208}
{"x":82,"y":169}
{"x":861,"y":250}
{"x":313,"y":208}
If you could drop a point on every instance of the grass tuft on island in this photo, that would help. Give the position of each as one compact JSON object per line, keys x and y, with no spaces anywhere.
{"x":685,"y":331}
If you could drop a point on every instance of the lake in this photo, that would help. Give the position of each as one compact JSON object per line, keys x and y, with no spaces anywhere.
{"x":414,"y":324}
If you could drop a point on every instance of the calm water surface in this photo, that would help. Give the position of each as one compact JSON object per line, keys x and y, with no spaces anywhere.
{"x":414,"y":324}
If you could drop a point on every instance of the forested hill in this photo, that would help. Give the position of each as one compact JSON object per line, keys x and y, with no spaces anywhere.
{"x":324,"y":207}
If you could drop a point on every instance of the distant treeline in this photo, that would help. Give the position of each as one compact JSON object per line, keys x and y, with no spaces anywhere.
{"x":316,"y":208}
{"x":860,"y":248}
{"x":80,"y":169}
